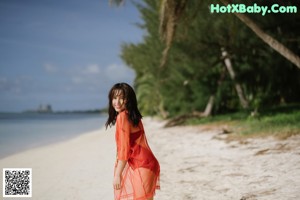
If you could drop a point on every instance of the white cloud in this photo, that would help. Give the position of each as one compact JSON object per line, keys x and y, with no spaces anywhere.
{"x":15,"y":85}
{"x":3,"y":80}
{"x":92,"y":69}
{"x":95,"y":76}
{"x":77,"y":79}
{"x":119,"y":73}
{"x":87,"y":75}
{"x":50,"y":68}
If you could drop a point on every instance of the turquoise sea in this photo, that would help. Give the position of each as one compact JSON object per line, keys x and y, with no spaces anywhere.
{"x":21,"y":131}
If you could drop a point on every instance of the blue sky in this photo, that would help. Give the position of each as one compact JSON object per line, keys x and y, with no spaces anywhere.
{"x":63,"y":52}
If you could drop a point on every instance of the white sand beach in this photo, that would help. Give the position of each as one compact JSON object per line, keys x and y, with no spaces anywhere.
{"x":196,"y":163}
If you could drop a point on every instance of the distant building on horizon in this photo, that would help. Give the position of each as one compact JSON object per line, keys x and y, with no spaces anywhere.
{"x":44,"y":108}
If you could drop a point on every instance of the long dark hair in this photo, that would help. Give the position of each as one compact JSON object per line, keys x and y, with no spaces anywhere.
{"x":134,"y":114}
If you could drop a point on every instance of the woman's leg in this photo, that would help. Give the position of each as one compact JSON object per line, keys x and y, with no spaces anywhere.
{"x":143,"y":182}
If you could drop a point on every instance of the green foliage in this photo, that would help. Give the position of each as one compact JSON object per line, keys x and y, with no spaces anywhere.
{"x":195,"y":70}
{"x":281,"y":121}
{"x":277,"y":124}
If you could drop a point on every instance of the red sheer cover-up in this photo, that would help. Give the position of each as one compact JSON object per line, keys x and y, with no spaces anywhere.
{"x":140,"y":177}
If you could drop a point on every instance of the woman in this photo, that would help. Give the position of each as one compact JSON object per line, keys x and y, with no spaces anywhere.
{"x":136,"y":174}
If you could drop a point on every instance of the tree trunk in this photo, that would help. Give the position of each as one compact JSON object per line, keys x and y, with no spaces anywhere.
{"x":209,"y":106}
{"x":167,"y":25}
{"x":272,"y":42}
{"x":162,"y":111}
{"x":169,"y":13}
{"x":238,"y":87}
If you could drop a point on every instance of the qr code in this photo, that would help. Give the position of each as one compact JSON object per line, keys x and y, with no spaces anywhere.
{"x":17,"y":182}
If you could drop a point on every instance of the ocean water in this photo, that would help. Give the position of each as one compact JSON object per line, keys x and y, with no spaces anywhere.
{"x":21,"y":131}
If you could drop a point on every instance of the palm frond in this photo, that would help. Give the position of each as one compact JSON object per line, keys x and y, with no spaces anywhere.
{"x":116,"y":2}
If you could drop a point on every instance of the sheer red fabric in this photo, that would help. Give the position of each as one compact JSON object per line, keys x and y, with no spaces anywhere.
{"x":140,"y":177}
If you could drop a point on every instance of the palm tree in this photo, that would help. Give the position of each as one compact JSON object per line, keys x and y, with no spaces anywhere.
{"x":171,"y":11}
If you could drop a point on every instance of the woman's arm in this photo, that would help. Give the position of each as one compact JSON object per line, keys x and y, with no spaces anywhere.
{"x":119,"y":169}
{"x":123,"y":147}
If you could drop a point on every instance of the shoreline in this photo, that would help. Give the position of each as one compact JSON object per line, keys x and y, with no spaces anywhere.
{"x":44,"y":143}
{"x":68,"y":166}
{"x":24,"y":132}
{"x":196,"y":163}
